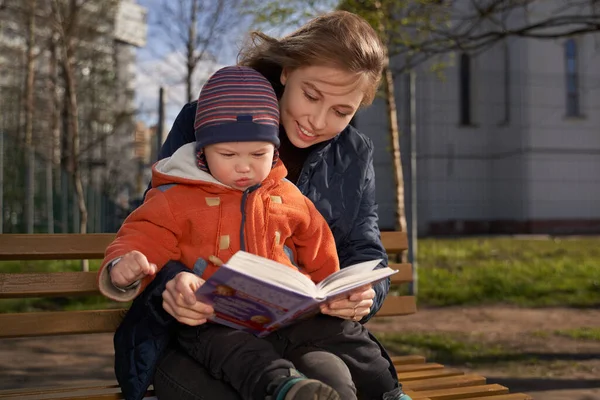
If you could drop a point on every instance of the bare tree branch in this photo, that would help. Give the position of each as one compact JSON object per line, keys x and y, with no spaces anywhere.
{"x":429,"y":28}
{"x":196,"y":30}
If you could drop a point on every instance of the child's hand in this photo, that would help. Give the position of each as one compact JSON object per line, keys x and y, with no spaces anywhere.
{"x":132,"y":267}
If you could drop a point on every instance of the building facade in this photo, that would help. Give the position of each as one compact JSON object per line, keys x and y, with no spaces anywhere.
{"x":507,"y":141}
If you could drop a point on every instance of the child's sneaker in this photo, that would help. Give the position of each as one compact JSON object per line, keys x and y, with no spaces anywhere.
{"x":396,"y":394}
{"x":298,"y":387}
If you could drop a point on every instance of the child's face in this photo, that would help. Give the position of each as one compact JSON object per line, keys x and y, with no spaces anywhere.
{"x":240,"y":164}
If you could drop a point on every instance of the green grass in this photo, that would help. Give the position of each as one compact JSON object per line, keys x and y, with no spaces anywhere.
{"x":523,"y":272}
{"x":55,"y":303}
{"x":45,"y":266}
{"x":476,"y":351}
{"x":451,"y":348}
{"x":580,"y":333}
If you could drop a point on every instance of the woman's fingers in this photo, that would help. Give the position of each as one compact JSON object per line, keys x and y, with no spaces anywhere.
{"x":348,"y":309}
{"x":185,"y":284}
{"x":185,"y":316}
{"x":364,"y":293}
{"x":180,"y":301}
{"x":177,"y":302}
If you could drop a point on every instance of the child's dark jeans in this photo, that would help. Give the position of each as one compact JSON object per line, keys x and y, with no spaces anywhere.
{"x":249,"y":363}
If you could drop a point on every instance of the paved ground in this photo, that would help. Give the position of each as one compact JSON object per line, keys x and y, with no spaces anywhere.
{"x":562,"y":367}
{"x":567,"y":368}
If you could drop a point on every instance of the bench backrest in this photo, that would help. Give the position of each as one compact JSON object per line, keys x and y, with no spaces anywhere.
{"x":92,"y":246}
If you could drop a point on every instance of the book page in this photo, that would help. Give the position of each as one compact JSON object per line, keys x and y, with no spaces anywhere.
{"x":347,"y":282}
{"x":355,"y":269}
{"x":272,"y":272}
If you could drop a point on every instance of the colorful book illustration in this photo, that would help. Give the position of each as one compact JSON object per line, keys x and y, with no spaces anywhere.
{"x":259,"y":295}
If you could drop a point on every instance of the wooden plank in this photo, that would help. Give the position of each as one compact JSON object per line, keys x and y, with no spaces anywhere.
{"x":59,"y":323}
{"x":75,"y":246}
{"x":436,"y":373}
{"x":48,"y":284}
{"x":14,"y":285}
{"x":397,"y":305}
{"x":417,"y":367}
{"x":404,"y":274}
{"x":107,"y":394}
{"x":70,"y":246}
{"x":53,"y":389}
{"x":409,"y":359}
{"x":462,"y":392}
{"x":445,"y":383}
{"x":513,"y":396}
{"x":114,"y":394}
{"x":100,"y":392}
{"x":394,"y":242}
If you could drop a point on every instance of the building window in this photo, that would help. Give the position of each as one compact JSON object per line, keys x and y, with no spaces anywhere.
{"x":465,"y":89}
{"x":572,"y":78}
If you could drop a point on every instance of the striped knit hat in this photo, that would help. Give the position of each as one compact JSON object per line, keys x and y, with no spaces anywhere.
{"x":236,"y":104}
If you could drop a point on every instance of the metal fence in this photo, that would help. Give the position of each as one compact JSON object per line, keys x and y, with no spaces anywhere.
{"x":55,"y":199}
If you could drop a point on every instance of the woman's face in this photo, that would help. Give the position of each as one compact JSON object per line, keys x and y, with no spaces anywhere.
{"x":318,"y":102}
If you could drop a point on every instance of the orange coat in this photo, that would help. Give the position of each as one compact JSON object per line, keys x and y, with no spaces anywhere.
{"x":189,"y":215}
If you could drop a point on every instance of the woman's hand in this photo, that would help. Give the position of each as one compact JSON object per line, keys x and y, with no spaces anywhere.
{"x":179,"y":300}
{"x":354,"y":307}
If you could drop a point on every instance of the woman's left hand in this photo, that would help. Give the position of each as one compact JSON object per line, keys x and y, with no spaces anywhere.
{"x":354,"y":307}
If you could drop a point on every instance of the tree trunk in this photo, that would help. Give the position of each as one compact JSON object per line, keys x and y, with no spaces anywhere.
{"x":73,"y":113}
{"x":53,"y":161}
{"x":390,"y":100}
{"x":29,"y":151}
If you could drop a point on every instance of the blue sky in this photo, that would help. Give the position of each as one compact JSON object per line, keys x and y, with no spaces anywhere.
{"x":159,"y":65}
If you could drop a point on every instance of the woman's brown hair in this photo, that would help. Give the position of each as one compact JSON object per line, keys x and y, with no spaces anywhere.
{"x":339,"y":39}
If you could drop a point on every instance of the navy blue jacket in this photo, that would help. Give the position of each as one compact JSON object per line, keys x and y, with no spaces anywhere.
{"x":337,"y":176}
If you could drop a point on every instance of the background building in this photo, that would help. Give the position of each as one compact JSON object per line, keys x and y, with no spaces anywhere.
{"x":104,"y":69}
{"x":508,"y":141}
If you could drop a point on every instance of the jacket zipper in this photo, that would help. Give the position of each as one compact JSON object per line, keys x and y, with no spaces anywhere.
{"x":245,"y":195}
{"x":313,"y":156}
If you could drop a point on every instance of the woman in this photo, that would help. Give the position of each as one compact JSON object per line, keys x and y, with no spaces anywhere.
{"x":322,"y":74}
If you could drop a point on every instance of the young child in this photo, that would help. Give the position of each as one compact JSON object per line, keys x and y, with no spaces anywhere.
{"x":228,"y":192}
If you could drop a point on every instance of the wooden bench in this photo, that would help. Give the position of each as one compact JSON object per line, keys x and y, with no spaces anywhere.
{"x":422,"y":380}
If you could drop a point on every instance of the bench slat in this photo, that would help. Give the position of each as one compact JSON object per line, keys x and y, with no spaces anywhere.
{"x":53,"y":389}
{"x":48,"y":284}
{"x":404,"y":274}
{"x":59,"y":323}
{"x":104,"y":392}
{"x":446,"y":382}
{"x":409,"y":359}
{"x":80,"y":394}
{"x":69,"y":246}
{"x":513,"y":396}
{"x":394,"y":242}
{"x":417,"y":367}
{"x":461,"y":393}
{"x":435,"y":373}
{"x":92,"y":245}
{"x":397,"y":305}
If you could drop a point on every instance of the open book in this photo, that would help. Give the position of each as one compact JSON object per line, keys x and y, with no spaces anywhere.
{"x":259,"y":295}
